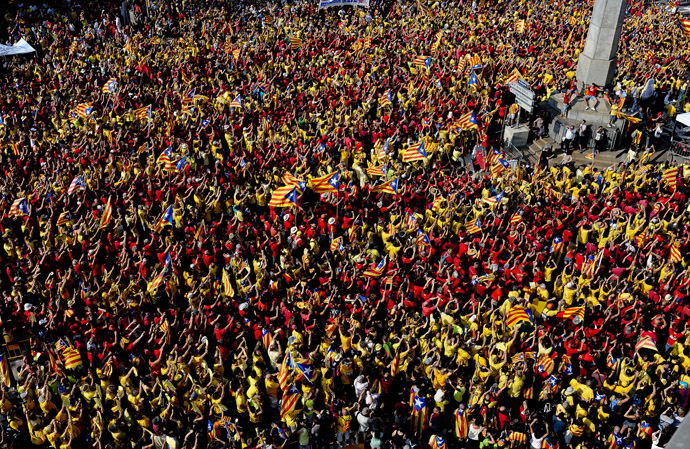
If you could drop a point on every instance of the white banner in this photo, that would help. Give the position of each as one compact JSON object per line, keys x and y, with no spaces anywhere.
{"x":331,"y":3}
{"x":20,"y":48}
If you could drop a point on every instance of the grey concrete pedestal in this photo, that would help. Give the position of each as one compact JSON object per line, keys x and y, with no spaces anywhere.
{"x":517,"y":136}
{"x":597,"y":62}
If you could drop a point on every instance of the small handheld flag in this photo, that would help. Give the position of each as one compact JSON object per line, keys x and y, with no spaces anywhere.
{"x":414,"y":152}
{"x":237,"y":102}
{"x":165,"y":220}
{"x":326,"y":184}
{"x":107,"y":214}
{"x":285,"y":196}
{"x":76,"y":184}
{"x":19,"y":208}
{"x":109,"y":86}
{"x":388,"y":187}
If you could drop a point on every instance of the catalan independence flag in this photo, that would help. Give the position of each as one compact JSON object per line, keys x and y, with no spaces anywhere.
{"x":289,"y":401}
{"x":377,"y":171}
{"x":499,"y":167}
{"x":475,"y":63}
{"x":285,"y":196}
{"x":165,"y":158}
{"x":19,"y":208}
{"x":284,"y":371}
{"x":84,"y":110}
{"x":422,"y":239}
{"x":685,"y":26}
{"x":414,"y":152}
{"x":144,"y":113}
{"x":494,"y":200}
{"x":422,"y":61}
{"x":386,"y":99}
{"x":591,"y":155}
{"x":291,"y":180}
{"x":376,"y":270}
{"x":388,"y":187}
{"x":466,"y":122}
{"x":646,"y":342}
{"x":674,"y":254}
{"x":517,"y":315}
{"x":474,"y":227}
{"x":160,"y":277}
{"x":474,"y":82}
{"x":326,"y":184}
{"x":437,"y":442}
{"x":295,"y":42}
{"x":571,"y":312}
{"x":306,"y":370}
{"x":237,"y":102}
{"x":109,"y":86}
{"x":76,"y":184}
{"x":64,"y":218}
{"x":165,"y":220}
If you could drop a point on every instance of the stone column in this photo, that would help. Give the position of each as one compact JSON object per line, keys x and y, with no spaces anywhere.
{"x":597,"y":61}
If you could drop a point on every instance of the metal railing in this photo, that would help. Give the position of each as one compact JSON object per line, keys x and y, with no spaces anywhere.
{"x":512,"y":152}
{"x":680,"y":150}
{"x":614,"y":136}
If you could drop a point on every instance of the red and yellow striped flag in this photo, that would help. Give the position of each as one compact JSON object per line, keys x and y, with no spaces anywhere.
{"x":675,"y":255}
{"x":107,"y":214}
{"x":671,"y":177}
{"x":71,"y":357}
{"x":227,"y":285}
{"x":517,"y":315}
{"x":571,"y":312}
{"x":685,"y":26}
{"x":5,"y":370}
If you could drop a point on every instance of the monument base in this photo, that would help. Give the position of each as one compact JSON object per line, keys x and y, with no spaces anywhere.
{"x":597,"y":71}
{"x":517,"y":136}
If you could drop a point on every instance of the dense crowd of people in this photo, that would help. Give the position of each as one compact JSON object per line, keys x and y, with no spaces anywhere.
{"x":264,"y":225}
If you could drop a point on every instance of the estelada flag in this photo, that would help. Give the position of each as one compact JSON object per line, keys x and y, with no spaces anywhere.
{"x":143,"y":113}
{"x":295,"y":42}
{"x":109,"y":86}
{"x":571,"y":312}
{"x":388,"y":187}
{"x":19,"y":208}
{"x":414,"y":152}
{"x":376,"y":270}
{"x":325,"y":184}
{"x":646,"y":342}
{"x":284,"y":196}
{"x":517,"y":315}
{"x":165,"y":220}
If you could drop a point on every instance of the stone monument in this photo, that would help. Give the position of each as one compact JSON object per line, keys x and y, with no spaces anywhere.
{"x":597,"y":62}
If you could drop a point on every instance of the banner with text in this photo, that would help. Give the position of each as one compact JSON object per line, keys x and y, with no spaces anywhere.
{"x":332,"y":3}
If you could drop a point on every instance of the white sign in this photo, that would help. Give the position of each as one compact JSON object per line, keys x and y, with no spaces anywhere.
{"x":20,"y":48}
{"x":332,"y":3}
{"x":523,"y":94}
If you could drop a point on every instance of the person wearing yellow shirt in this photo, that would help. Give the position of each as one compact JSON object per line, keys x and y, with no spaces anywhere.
{"x":344,"y":425}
